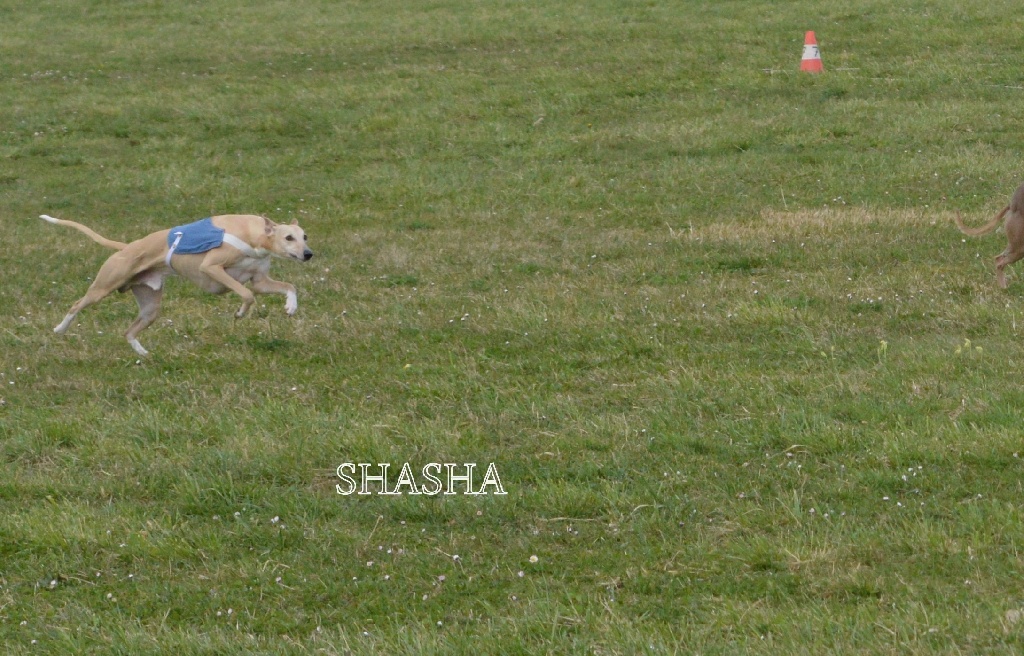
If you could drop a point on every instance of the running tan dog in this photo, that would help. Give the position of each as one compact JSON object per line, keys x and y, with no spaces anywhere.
{"x":1014,"y":233}
{"x":243,"y":256}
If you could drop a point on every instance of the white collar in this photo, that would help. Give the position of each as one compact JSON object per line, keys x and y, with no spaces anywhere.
{"x":246,"y":249}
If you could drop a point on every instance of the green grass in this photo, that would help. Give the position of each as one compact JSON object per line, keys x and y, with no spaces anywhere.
{"x":748,"y":389}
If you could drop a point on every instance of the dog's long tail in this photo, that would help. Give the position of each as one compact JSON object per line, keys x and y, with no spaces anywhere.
{"x":985,"y":229}
{"x":95,"y":236}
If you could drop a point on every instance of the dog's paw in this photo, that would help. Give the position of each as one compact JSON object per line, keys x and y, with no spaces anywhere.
{"x":291,"y":304}
{"x":247,"y":302}
{"x":138,"y":347}
{"x":63,"y":326}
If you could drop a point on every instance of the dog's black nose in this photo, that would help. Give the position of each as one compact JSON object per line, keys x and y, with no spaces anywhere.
{"x":307,"y":255}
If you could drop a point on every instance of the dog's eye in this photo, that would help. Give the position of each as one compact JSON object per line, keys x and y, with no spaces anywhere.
{"x":305,"y":237}
{"x":290,"y":238}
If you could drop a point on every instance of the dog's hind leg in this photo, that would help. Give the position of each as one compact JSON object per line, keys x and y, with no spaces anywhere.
{"x":94,"y":295}
{"x":1014,"y":251}
{"x":62,"y":327}
{"x":114,"y":274}
{"x":149,"y":308}
{"x":1005,"y":259}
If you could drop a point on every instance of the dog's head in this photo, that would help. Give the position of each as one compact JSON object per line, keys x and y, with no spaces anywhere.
{"x":288,"y":241}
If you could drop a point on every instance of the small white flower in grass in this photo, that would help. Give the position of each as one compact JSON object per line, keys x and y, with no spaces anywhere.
{"x":439,"y":623}
{"x":387,"y":577}
{"x":521,"y":574}
{"x":275,"y":520}
{"x":425,"y":597}
{"x":369,"y":563}
{"x":534,"y":559}
{"x":441,"y":578}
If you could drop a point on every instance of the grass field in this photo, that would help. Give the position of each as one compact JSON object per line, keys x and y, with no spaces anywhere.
{"x":747,"y":388}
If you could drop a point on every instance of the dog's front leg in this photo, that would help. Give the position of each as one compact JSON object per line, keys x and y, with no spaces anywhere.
{"x":266,"y":285}
{"x":216,"y":272}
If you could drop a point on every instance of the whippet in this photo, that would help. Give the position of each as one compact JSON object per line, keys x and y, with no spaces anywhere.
{"x":1014,"y":233}
{"x":218,"y":254}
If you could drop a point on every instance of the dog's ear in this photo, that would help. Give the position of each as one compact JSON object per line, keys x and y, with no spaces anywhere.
{"x":295,"y":222}
{"x":268,"y":226}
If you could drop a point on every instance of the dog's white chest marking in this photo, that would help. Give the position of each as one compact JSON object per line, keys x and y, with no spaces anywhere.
{"x":248,"y":268}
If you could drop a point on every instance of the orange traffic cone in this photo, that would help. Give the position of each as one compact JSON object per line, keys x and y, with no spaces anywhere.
{"x":811,"y":61}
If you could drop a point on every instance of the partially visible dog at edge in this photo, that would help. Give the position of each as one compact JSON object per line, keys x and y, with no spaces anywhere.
{"x":242,"y":256}
{"x":1014,"y":213}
